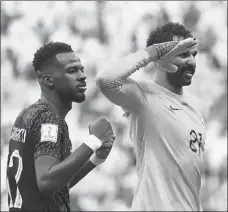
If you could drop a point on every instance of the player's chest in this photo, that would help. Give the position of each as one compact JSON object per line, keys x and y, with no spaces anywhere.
{"x":182,"y":126}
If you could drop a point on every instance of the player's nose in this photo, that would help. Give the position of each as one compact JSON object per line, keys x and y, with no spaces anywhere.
{"x":191,"y":62}
{"x":81,"y":76}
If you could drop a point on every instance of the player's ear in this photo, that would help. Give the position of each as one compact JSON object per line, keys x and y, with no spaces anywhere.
{"x":45,"y":79}
{"x":48,"y":80}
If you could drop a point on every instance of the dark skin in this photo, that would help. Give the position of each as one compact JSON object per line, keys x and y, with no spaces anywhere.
{"x":62,"y":82}
{"x":174,"y":82}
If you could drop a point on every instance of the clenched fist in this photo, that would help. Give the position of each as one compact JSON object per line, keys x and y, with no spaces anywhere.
{"x":102,"y":129}
{"x":106,"y":147}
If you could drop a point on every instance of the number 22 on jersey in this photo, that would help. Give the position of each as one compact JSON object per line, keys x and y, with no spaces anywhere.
{"x":12,"y":182}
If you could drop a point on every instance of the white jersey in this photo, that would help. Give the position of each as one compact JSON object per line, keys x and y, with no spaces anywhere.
{"x":168,"y":135}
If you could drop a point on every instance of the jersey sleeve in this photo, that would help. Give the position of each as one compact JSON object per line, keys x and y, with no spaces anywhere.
{"x":47,"y":135}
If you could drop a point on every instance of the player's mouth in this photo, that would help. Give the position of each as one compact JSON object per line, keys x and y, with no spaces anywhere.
{"x":82,"y":87}
{"x":189,"y":73}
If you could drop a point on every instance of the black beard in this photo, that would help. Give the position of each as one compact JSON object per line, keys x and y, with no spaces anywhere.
{"x":181,"y":70}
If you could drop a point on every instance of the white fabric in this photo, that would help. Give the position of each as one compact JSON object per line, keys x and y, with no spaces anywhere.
{"x":96,"y":160}
{"x":93,"y":142}
{"x":166,"y":131}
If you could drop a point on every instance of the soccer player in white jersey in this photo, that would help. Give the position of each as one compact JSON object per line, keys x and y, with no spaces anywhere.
{"x":167,"y":131}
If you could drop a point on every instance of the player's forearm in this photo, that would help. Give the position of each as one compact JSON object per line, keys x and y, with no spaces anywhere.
{"x":115,"y":73}
{"x":62,"y":173}
{"x":88,"y":166}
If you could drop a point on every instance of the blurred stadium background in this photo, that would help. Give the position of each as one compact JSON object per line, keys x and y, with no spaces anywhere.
{"x":99,"y":31}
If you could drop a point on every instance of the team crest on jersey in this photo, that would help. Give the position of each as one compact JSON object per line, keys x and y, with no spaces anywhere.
{"x":49,"y":132}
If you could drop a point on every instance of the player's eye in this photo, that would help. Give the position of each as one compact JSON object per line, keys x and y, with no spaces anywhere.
{"x":184,"y":55}
{"x":72,"y":70}
{"x":194,"y":55}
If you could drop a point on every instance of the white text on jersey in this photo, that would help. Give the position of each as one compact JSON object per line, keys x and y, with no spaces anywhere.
{"x":18,"y":134}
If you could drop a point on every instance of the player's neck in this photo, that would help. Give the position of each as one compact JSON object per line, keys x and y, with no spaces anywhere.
{"x":168,"y":85}
{"x":61,"y":108}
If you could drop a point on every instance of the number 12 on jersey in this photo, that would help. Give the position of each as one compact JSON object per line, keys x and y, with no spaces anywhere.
{"x":12,"y":183}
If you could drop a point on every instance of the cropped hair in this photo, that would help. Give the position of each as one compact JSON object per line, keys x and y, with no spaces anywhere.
{"x":48,"y":51}
{"x":168,"y":32}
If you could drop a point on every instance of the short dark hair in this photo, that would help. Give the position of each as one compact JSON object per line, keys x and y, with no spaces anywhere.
{"x":48,"y":51}
{"x":167,"y":32}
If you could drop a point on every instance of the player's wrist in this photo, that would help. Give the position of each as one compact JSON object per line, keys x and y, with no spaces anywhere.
{"x":94,"y":159}
{"x":143,"y":54}
{"x":93,"y":142}
{"x":152,"y":53}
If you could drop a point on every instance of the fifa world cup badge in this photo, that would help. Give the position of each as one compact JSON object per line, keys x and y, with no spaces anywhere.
{"x":49,"y":132}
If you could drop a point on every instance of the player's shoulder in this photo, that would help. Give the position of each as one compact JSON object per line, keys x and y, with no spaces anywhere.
{"x":37,"y":112}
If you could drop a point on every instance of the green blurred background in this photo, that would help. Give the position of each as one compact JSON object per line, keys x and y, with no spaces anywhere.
{"x":100,"y":31}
